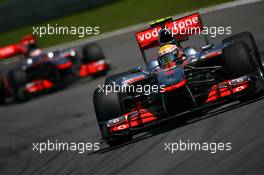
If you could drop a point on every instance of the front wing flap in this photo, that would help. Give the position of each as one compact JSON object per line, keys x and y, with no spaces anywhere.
{"x":219,"y":94}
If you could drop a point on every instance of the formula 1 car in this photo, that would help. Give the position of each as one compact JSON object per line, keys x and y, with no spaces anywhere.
{"x":208,"y":77}
{"x":34,"y":74}
{"x":38,"y":71}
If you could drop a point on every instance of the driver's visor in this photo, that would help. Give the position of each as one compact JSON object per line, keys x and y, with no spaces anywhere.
{"x":168,"y":58}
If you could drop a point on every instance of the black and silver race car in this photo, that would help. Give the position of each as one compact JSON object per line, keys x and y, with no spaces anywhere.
{"x":33,"y":71}
{"x":204,"y":79}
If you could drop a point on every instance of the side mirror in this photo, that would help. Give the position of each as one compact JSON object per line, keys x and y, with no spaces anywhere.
{"x":135,"y":69}
{"x":207,"y":47}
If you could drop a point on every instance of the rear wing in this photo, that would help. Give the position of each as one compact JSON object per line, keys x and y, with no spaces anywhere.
{"x":9,"y":51}
{"x":181,"y":29}
{"x":15,"y":49}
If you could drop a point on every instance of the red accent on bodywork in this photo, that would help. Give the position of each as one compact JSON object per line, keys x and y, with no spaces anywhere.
{"x":38,"y":85}
{"x":181,"y":28}
{"x":134,"y":79}
{"x":170,"y":65}
{"x":213,"y":54}
{"x":225,"y":89}
{"x":9,"y":51}
{"x":28,"y":39}
{"x":143,"y":116}
{"x":15,"y":49}
{"x":94,"y":67}
{"x":66,"y":65}
{"x":169,"y":72}
{"x":173,"y":87}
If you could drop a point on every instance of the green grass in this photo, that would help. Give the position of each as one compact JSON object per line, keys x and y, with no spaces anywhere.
{"x":118,"y":14}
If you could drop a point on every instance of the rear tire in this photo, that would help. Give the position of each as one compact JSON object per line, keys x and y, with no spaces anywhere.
{"x":92,"y":52}
{"x":2,"y":90}
{"x":18,"y":79}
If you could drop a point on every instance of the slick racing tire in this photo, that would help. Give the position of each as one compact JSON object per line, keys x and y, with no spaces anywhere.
{"x":249,"y":39}
{"x":92,"y":52}
{"x":2,"y":90}
{"x":238,"y":61}
{"x":18,"y":79}
{"x":107,"y":107}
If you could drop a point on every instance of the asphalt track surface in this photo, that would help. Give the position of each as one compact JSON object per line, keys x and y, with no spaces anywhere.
{"x":68,"y":116}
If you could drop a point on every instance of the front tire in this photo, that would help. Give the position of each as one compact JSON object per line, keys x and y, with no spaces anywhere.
{"x":248,"y":39}
{"x":238,"y":61}
{"x":18,"y":79}
{"x":107,"y":107}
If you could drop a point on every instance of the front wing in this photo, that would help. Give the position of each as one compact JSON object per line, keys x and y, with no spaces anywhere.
{"x":140,"y":119}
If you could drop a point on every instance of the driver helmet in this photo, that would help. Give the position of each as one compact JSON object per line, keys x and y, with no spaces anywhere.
{"x":168,"y":54}
{"x":166,"y":37}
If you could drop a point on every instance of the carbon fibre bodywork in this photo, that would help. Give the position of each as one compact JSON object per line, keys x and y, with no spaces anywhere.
{"x":195,"y":82}
{"x":205,"y":88}
{"x":33,"y":71}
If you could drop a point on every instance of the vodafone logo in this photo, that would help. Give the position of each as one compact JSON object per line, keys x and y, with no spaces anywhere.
{"x":240,"y":80}
{"x":188,"y":22}
{"x":121,"y":127}
{"x":149,"y":35}
{"x":240,"y":88}
{"x":176,"y":27}
{"x":115,"y":120}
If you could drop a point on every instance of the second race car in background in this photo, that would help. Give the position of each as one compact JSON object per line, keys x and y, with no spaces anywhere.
{"x":37,"y":71}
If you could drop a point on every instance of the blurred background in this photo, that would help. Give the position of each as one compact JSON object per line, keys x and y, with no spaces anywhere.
{"x":68,"y":115}
{"x":17,"y":17}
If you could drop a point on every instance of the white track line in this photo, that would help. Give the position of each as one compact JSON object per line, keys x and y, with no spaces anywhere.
{"x":145,"y":24}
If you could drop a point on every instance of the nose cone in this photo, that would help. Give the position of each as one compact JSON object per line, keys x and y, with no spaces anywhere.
{"x":172,"y":76}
